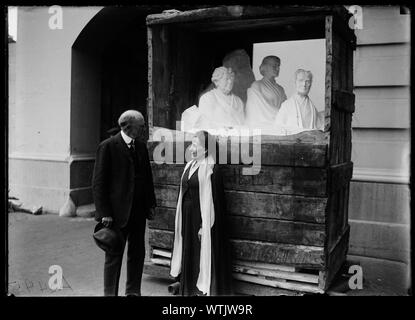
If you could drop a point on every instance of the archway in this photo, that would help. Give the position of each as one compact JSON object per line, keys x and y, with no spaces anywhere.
{"x":108,"y":76}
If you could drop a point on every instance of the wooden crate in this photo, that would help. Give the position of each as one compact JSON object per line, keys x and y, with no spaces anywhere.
{"x":294,"y":213}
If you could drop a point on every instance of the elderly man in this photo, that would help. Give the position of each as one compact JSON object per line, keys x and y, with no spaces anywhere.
{"x":265,"y":96}
{"x":124,"y":197}
{"x":298,"y":113}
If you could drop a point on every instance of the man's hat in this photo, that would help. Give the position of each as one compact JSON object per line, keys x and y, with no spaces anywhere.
{"x":110,"y":240}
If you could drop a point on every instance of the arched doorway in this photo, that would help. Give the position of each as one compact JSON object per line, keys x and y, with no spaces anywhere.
{"x":108,"y":76}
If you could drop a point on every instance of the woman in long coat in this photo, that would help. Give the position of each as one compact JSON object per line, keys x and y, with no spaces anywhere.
{"x":201,"y":257}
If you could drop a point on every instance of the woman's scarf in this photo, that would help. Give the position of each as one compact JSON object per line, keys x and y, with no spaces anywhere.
{"x":208,"y":218}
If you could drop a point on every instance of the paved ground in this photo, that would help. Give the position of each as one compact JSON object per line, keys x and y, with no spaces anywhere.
{"x":38,"y":242}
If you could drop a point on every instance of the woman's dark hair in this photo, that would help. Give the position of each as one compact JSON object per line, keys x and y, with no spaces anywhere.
{"x":207,"y":140}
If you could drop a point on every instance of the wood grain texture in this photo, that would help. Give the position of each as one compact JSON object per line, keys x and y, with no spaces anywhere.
{"x":228,"y":12}
{"x":275,"y":253}
{"x":157,"y":271}
{"x":295,"y":276}
{"x":278,"y":283}
{"x":255,"y":205}
{"x":278,"y":253}
{"x":276,"y":231}
{"x":269,"y":230}
{"x":161,"y":74}
{"x":335,"y":260}
{"x":253,"y":289}
{"x":344,"y":101}
{"x":306,"y":149}
{"x":277,"y":180}
{"x":340,"y":175}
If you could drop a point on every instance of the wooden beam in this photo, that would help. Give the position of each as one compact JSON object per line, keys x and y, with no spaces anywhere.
{"x":239,"y":13}
{"x":157,"y":271}
{"x":276,"y":180}
{"x":306,"y":149}
{"x":344,"y":101}
{"x":276,"y":231}
{"x":255,"y":264}
{"x":295,"y":276}
{"x":249,"y":204}
{"x":275,"y":253}
{"x":269,"y":230}
{"x":335,"y":260}
{"x":278,"y":253}
{"x":161,"y":253}
{"x":339,"y":176}
{"x":278,"y":283}
{"x":161,"y":261}
{"x":253,"y":289}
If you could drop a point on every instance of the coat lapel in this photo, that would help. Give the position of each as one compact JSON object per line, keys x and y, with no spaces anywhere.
{"x":122,"y":146}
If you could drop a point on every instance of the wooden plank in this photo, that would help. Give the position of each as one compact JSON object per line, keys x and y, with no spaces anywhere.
{"x":329,"y":73}
{"x":341,"y":137}
{"x":260,"y":22}
{"x":348,"y":138}
{"x":344,"y":101}
{"x":255,"y":264}
{"x":276,"y":253}
{"x":334,"y":261}
{"x":160,"y":76}
{"x":239,"y":12}
{"x":161,"y":261}
{"x":306,"y":149}
{"x":281,"y":180}
{"x":278,"y":283}
{"x":164,"y":218}
{"x":249,"y":204}
{"x":150,"y":99}
{"x":334,"y":137}
{"x":157,"y":271}
{"x":340,"y":175}
{"x":161,"y":238}
{"x":284,"y":207}
{"x":247,"y":288}
{"x":335,"y":220}
{"x":166,"y":195}
{"x":343,"y":31}
{"x":295,"y":276}
{"x":249,"y":268}
{"x":270,"y":230}
{"x":161,"y":253}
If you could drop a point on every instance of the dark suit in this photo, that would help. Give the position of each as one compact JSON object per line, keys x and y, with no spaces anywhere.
{"x":123,"y":189}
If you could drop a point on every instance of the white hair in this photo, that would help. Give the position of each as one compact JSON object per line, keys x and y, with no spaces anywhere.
{"x":129,"y":115}
{"x":220,"y":72}
{"x":302,"y":71}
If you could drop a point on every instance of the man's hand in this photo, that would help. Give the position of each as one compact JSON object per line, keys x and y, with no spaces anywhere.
{"x":107,"y":221}
{"x":151,"y":214}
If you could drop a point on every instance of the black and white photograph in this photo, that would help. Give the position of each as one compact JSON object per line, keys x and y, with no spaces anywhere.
{"x":208,"y":150}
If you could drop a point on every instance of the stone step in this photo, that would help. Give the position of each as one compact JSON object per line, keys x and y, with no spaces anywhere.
{"x":86,"y":211}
